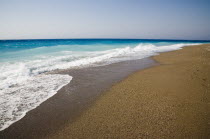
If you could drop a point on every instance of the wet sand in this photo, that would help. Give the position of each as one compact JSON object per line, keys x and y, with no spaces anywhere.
{"x":70,"y":102}
{"x":171,"y":100}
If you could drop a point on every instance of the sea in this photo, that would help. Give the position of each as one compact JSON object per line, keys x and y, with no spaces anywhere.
{"x":25,"y":64}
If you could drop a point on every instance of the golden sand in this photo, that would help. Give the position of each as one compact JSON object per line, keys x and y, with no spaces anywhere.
{"x":168,"y":101}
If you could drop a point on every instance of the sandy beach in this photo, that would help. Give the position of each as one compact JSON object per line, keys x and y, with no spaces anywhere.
{"x":170,"y":100}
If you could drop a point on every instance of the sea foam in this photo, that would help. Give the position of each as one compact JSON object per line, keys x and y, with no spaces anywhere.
{"x":15,"y":101}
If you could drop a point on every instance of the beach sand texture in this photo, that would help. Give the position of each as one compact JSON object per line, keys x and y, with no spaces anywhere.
{"x":171,"y":100}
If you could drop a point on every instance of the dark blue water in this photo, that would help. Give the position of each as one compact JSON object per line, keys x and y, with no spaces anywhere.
{"x":15,"y":45}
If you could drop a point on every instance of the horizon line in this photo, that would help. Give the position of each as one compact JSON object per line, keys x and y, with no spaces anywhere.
{"x":103,"y":39}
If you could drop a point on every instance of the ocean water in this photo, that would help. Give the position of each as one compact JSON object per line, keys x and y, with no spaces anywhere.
{"x":24,"y":84}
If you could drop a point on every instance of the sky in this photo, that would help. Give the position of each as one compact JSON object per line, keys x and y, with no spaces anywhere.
{"x":144,"y":19}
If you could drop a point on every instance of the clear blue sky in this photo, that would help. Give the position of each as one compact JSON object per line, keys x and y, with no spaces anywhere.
{"x":148,"y":19}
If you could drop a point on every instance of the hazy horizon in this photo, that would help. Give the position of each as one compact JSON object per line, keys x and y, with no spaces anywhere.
{"x":110,"y":19}
{"x":104,"y":39}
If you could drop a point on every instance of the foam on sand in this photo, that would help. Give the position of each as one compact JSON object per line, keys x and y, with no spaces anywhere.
{"x":16,"y":101}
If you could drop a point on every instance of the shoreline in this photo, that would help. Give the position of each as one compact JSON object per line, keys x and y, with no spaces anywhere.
{"x":73,"y":99}
{"x":166,"y":101}
{"x":67,"y":107}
